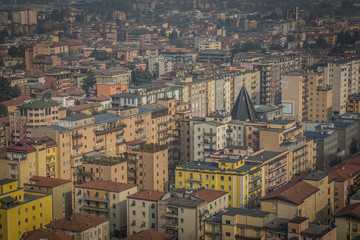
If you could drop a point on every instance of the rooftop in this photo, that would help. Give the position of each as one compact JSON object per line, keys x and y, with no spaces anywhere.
{"x":208,"y":195}
{"x":39,"y":104}
{"x":106,"y":186}
{"x":148,"y":195}
{"x":246,"y":212}
{"x":151,"y":235}
{"x":315,"y":176}
{"x":45,"y":234}
{"x":6,"y":181}
{"x":46,"y":182}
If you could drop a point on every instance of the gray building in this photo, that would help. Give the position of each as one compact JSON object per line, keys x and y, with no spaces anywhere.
{"x":268,"y":113}
{"x":327,"y":143}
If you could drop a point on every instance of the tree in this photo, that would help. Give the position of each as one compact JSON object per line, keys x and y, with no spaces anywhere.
{"x":17,"y":51}
{"x":58,"y":15}
{"x":68,"y":112}
{"x":3,"y":110}
{"x":140,"y":76}
{"x":353,"y":146}
{"x":3,"y":35}
{"x":100,"y":55}
{"x":89,"y":81}
{"x":8,"y":92}
{"x":47,"y":95}
{"x":77,"y":102}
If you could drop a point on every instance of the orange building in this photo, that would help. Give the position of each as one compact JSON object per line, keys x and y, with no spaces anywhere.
{"x":111,"y":88}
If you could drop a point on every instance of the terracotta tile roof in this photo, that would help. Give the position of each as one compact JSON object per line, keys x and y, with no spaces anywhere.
{"x":46,"y":182}
{"x":294,"y":192}
{"x":208,"y":195}
{"x":352,"y":210}
{"x":85,"y":106}
{"x":148,"y":195}
{"x":100,"y":98}
{"x":21,"y":148}
{"x":354,"y":160}
{"x":151,"y":235}
{"x":45,"y":234}
{"x":106,"y":186}
{"x":16,"y":101}
{"x":49,"y":142}
{"x":77,"y":222}
{"x":343,"y":172}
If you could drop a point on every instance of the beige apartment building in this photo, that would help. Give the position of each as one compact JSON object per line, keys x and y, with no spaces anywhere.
{"x":60,"y":190}
{"x":25,"y":17}
{"x":36,"y":157}
{"x":105,"y":198}
{"x":343,"y":75}
{"x":142,"y":211}
{"x":32,"y":51}
{"x":348,"y":222}
{"x":116,"y":75}
{"x":82,"y":226}
{"x":148,"y":167}
{"x":305,"y":98}
{"x":202,"y":44}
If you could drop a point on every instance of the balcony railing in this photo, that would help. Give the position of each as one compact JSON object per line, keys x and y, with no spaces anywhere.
{"x":77,"y":145}
{"x":171,"y":225}
{"x":277,"y":176}
{"x":194,"y":180}
{"x":171,"y":214}
{"x":95,"y":208}
{"x":112,"y":129}
{"x":209,"y":134}
{"x":254,"y":188}
{"x":277,"y":167}
{"x":209,"y":150}
{"x":85,"y":197}
{"x":208,"y":141}
{"x":254,"y":179}
{"x":77,"y":136}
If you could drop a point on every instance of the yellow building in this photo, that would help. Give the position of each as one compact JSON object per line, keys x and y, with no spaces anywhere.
{"x":240,"y":178}
{"x":348,"y":222}
{"x":353,"y":103}
{"x":36,"y":157}
{"x":311,"y":196}
{"x":20,"y":211}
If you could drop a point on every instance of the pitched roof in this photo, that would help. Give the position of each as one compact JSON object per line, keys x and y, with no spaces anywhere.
{"x":77,"y":222}
{"x":106,"y":185}
{"x":16,"y":101}
{"x":293,"y":192}
{"x":148,"y":195}
{"x":151,"y":235}
{"x":46,"y":181}
{"x":208,"y":195}
{"x":45,"y":234}
{"x":85,"y":106}
{"x":343,"y":172}
{"x":21,"y":148}
{"x":243,"y":109}
{"x":352,"y":210}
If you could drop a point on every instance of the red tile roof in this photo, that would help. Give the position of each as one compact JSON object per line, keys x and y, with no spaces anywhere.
{"x":208,"y":195}
{"x":46,"y":182}
{"x":49,"y":142}
{"x":354,"y":160}
{"x":100,"y":98}
{"x":151,"y":235}
{"x":294,"y":192}
{"x":85,"y":106}
{"x":45,"y":234}
{"x":148,"y":195}
{"x":16,"y":101}
{"x":352,"y":210}
{"x":106,"y":186}
{"x":77,"y":222}
{"x":343,"y":172}
{"x":21,"y":148}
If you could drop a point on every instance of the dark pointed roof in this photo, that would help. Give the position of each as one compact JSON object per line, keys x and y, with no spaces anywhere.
{"x":243,"y":109}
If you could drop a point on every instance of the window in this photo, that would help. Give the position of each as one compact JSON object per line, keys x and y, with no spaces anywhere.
{"x":153,"y":225}
{"x":293,"y":230}
{"x":152,"y":215}
{"x":227,"y":234}
{"x":143,"y":213}
{"x":143,"y":204}
{"x":134,"y":212}
{"x":354,"y":228}
{"x":222,"y":178}
{"x":182,"y":220}
{"x":114,"y":196}
{"x":227,"y":222}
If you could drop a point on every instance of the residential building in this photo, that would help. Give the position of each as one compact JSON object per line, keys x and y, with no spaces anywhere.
{"x":106,"y":199}
{"x":22,"y":211}
{"x":343,"y":76}
{"x":310,"y":196}
{"x":202,"y":44}
{"x":60,"y":190}
{"x":353,"y":103}
{"x":268,"y":113}
{"x":82,"y":226}
{"x":86,"y":109}
{"x":25,"y":17}
{"x":148,"y":167}
{"x":214,"y":56}
{"x":179,"y":55}
{"x":37,"y":157}
{"x":43,"y":62}
{"x":32,"y":51}
{"x":347,"y":221}
{"x":109,"y":88}
{"x":32,"y":115}
{"x":303,"y":228}
{"x":156,"y":65}
{"x":142,"y":211}
{"x":121,"y":76}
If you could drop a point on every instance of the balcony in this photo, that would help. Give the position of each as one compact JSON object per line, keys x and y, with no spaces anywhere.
{"x":77,"y":145}
{"x":85,"y":197}
{"x":111,"y":129}
{"x":100,"y":148}
{"x":95,"y":208}
{"x":76,"y":136}
{"x":277,"y":167}
{"x":254,"y":179}
{"x":209,"y":134}
{"x":139,"y":121}
{"x":254,"y":188}
{"x":99,"y":139}
{"x":229,"y":130}
{"x":277,"y":176}
{"x":209,"y":141}
{"x":76,"y":155}
{"x":171,"y":214}
{"x":50,"y":164}
{"x":209,"y":150}
{"x":163,"y":123}
{"x":120,"y":134}
{"x":255,"y":196}
{"x":171,"y":225}
{"x":194,"y":180}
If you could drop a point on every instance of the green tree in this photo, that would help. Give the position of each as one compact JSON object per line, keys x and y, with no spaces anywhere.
{"x":3,"y":35}
{"x":8,"y":92}
{"x":3,"y":110}
{"x":100,"y":55}
{"x":353,"y":146}
{"x":89,"y":81}
{"x":140,"y":76}
{"x":77,"y":102}
{"x":47,"y":95}
{"x":17,"y":51}
{"x":68,"y":112}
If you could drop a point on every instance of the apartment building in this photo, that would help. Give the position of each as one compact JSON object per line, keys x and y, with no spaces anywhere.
{"x":353,"y":103}
{"x":142,"y":211}
{"x":202,"y":44}
{"x":82,"y":226}
{"x":22,"y":211}
{"x":227,"y":174}
{"x":157,"y":65}
{"x":200,"y":93}
{"x":30,"y":115}
{"x":311,"y":196}
{"x":118,"y":75}
{"x":343,"y":76}
{"x":267,"y":113}
{"x":96,"y":166}
{"x":45,"y":234}
{"x":36,"y":157}
{"x":106,"y":199}
{"x":179,"y":55}
{"x":347,"y":221}
{"x":32,"y":51}
{"x":148,"y":167}
{"x":271,"y":72}
{"x":109,"y":88}
{"x":305,"y":98}
{"x":60,"y":190}
{"x":149,"y":234}
{"x":24,"y":17}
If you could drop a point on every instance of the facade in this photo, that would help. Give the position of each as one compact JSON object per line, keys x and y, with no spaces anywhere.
{"x":45,"y":234}
{"x":347,"y":221}
{"x":109,"y":88}
{"x":343,"y":76}
{"x":179,"y":55}
{"x":60,"y":190}
{"x":121,"y":76}
{"x":353,"y":103}
{"x":37,"y":157}
{"x":202,"y":44}
{"x":25,"y":17}
{"x":268,"y":113}
{"x":22,"y":211}
{"x":82,"y":226}
{"x":106,"y":199}
{"x":142,"y":211}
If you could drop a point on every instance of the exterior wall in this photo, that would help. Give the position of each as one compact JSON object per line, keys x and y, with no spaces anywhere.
{"x":292,"y":97}
{"x":116,"y":172}
{"x":101,"y":231}
{"x":345,"y":227}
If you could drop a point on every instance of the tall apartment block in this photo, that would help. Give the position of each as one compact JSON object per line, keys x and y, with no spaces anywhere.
{"x":343,"y":75}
